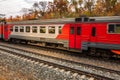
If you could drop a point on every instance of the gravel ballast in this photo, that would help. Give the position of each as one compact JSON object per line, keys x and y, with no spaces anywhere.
{"x":23,"y":69}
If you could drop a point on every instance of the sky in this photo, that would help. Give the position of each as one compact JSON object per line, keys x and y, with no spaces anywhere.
{"x":14,"y":7}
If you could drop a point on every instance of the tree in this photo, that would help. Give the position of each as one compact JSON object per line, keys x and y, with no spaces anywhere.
{"x":99,"y":8}
{"x":110,"y":4}
{"x":117,"y":9}
{"x":105,"y":7}
{"x":72,"y":8}
{"x":76,"y":7}
{"x":61,"y":6}
{"x":89,"y":6}
{"x":40,"y":7}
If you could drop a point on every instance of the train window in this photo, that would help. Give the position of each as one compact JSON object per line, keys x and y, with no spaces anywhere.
{"x":21,"y":28}
{"x":111,"y":28}
{"x":93,"y":31}
{"x":42,"y":29}
{"x":27,"y":28}
{"x":78,"y":30}
{"x":71,"y":30}
{"x":11,"y":29}
{"x":51,"y":29}
{"x":114,"y":28}
{"x":16,"y":28}
{"x":117,"y":28}
{"x":60,"y":29}
{"x":34,"y":29}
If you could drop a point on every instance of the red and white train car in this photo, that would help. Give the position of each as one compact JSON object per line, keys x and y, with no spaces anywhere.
{"x":81,"y":34}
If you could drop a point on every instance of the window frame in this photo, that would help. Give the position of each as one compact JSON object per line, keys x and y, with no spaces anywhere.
{"x":26,"y":29}
{"x":22,"y":27}
{"x":34,"y":28}
{"x":11,"y":29}
{"x":16,"y":29}
{"x":114,"y":28}
{"x":79,"y":30}
{"x":93,"y":31}
{"x":59,"y":29}
{"x":42,"y":27}
{"x":72,"y":32}
{"x":50,"y":29}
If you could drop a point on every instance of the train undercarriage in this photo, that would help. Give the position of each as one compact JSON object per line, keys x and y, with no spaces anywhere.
{"x":104,"y":53}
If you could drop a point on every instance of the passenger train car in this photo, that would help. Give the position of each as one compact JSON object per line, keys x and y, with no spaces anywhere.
{"x":94,"y":34}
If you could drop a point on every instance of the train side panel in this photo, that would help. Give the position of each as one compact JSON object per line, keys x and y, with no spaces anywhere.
{"x":104,"y":36}
{"x":98,"y":37}
{"x":64,"y":36}
{"x":76,"y":36}
{"x":1,"y":31}
{"x":54,"y":33}
{"x":6,"y":32}
{"x":93,"y":35}
{"x":64,"y":33}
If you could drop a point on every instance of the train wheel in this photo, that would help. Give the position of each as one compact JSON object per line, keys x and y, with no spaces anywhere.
{"x":92,"y":51}
{"x":18,"y":41}
{"x":104,"y":53}
{"x":100,"y":53}
{"x":12,"y":40}
{"x":26,"y":42}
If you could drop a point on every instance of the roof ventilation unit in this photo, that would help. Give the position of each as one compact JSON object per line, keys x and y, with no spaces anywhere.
{"x":82,"y":19}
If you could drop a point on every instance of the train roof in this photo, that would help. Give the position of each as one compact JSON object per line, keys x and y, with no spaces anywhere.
{"x":70,"y":20}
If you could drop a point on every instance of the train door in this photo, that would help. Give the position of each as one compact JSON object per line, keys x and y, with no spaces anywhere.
{"x":93,"y":33}
{"x":75,"y":36}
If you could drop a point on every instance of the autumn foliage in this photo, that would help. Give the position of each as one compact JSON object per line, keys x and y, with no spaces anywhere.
{"x":70,"y":8}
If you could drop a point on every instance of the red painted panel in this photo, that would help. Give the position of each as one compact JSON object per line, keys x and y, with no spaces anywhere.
{"x":6,"y":31}
{"x":104,"y":37}
{"x":1,"y":30}
{"x":65,"y":33}
{"x":102,"y":33}
{"x":86,"y":32}
{"x":93,"y":32}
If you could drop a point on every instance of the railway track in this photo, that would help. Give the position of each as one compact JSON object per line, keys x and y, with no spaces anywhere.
{"x":68,"y":55}
{"x":95,"y":72}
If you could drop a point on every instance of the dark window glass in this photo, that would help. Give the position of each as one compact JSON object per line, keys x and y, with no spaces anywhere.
{"x":16,"y":29}
{"x":51,"y":29}
{"x":42,"y":29}
{"x":78,"y":30}
{"x":21,"y":29}
{"x":71,"y":30}
{"x":60,"y":29}
{"x":27,"y":28}
{"x":117,"y":28}
{"x":93,"y":31}
{"x":34,"y":29}
{"x":111,"y":28}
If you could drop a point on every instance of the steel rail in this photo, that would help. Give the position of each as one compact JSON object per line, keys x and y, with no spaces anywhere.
{"x":98,"y":77}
